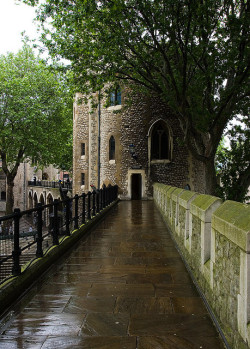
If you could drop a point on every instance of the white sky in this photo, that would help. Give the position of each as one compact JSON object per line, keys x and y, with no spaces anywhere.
{"x":15,"y":18}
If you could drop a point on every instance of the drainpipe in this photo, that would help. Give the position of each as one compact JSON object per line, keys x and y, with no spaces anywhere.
{"x":99,"y":138}
{"x":24,"y":186}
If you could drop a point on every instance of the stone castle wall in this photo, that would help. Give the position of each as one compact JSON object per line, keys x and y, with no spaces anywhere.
{"x":214,"y":238}
{"x":81,"y":135}
{"x":25,"y":173}
{"x":129,"y":123}
{"x":110,"y":126}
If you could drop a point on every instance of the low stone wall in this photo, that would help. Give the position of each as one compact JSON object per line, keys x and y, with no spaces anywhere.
{"x":214,"y":239}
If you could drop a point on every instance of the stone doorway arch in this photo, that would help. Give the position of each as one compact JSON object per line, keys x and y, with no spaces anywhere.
{"x":136,"y":184}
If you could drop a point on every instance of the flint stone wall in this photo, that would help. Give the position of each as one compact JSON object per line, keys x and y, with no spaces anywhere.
{"x":129,"y":123}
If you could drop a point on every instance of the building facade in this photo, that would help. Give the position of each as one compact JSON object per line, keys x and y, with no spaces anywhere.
{"x":31,"y":186}
{"x":132,"y":142}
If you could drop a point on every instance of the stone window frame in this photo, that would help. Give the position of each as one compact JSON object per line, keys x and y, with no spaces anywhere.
{"x":83,"y":145}
{"x":83,"y":179}
{"x":115,"y":97}
{"x":112,"y":149}
{"x":170,"y":142}
{"x":3,"y":195}
{"x":114,"y":100}
{"x":83,"y":148}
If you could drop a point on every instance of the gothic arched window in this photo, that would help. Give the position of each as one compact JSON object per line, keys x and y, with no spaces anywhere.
{"x":160,"y":142}
{"x":112,"y":148}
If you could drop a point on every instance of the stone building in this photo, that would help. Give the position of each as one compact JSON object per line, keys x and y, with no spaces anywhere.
{"x":132,"y":142}
{"x":27,"y":195}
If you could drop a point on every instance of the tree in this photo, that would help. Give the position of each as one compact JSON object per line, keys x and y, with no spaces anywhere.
{"x":193,"y":54}
{"x":233,"y":163}
{"x":35,"y":114}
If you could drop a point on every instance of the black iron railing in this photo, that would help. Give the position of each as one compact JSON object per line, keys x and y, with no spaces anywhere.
{"x":51,"y":184}
{"x":27,"y":235}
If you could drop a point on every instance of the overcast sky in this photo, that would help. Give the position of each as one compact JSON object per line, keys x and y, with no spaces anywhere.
{"x":15,"y":19}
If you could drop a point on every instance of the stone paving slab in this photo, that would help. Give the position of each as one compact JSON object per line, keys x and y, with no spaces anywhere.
{"x":123,"y":287}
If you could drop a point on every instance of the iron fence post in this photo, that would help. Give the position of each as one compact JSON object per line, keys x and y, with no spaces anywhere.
{"x":16,"y":270}
{"x":83,"y":208}
{"x":111,"y":193}
{"x":76,"y":226}
{"x":67,"y":217}
{"x":89,"y":208}
{"x":108,"y":195}
{"x":97,"y":201}
{"x":39,"y":239}
{"x":55,"y":223}
{"x":101,"y":199}
{"x":104,"y":196}
{"x":93,"y":204}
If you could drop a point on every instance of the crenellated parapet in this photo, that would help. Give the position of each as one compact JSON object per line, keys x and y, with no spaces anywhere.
{"x":214,"y":240}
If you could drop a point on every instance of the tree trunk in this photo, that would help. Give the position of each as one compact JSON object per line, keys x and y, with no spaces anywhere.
{"x":10,"y":175}
{"x":9,"y":196}
{"x":210,"y":177}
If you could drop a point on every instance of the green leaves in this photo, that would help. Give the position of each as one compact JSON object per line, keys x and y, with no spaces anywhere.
{"x":184,"y":47}
{"x":35,"y":109}
{"x":193,"y":54}
{"x":233,"y":163}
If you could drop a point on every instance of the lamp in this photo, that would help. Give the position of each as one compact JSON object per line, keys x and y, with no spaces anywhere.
{"x":132,"y":151}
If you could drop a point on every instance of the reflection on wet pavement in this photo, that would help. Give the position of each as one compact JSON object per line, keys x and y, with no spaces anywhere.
{"x":123,"y":287}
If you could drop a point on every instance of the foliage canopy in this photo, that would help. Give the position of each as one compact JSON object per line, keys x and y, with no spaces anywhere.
{"x":193,"y":54}
{"x":233,"y":163}
{"x":35,"y":113}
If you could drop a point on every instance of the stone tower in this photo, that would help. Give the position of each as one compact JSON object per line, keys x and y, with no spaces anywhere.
{"x":132,"y":142}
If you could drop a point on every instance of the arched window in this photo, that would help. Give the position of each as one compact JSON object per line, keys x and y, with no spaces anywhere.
{"x":160,"y":142}
{"x":112,"y":148}
{"x":116,"y":97}
{"x":42,"y":199}
{"x":30,"y":201}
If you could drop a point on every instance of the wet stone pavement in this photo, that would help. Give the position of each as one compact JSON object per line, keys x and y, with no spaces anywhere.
{"x":122,"y":287}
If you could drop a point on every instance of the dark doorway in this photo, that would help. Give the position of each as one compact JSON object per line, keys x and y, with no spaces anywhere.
{"x":136,"y":186}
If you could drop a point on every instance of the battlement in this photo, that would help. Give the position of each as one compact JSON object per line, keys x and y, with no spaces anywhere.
{"x":214,"y":240}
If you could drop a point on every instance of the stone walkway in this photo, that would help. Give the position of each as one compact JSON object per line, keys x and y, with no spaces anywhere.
{"x":123,"y":287}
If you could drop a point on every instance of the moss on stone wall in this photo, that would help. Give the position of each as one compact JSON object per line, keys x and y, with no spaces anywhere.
{"x":232,"y":219}
{"x":221,"y":233}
